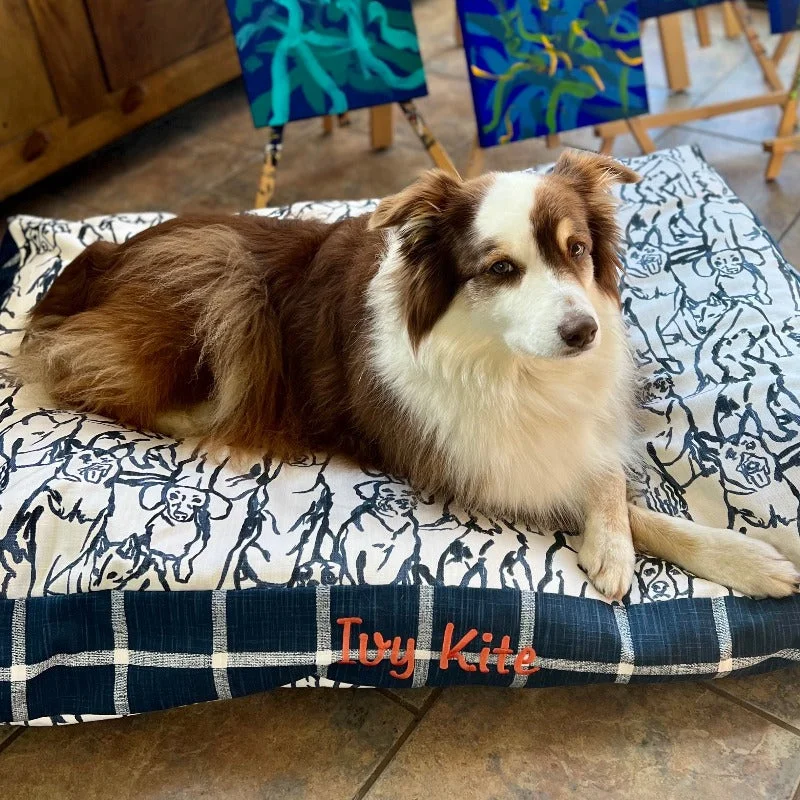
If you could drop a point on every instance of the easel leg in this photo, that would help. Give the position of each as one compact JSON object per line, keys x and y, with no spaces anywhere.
{"x":744,"y":19}
{"x":429,"y":141}
{"x":669,"y":30}
{"x":607,"y":145}
{"x":457,"y":34}
{"x":327,"y":124}
{"x":781,"y":48}
{"x":641,"y":135}
{"x":552,"y":140}
{"x":475,"y":163}
{"x":381,"y":126}
{"x":786,"y":140}
{"x":272,"y":155}
{"x":729,"y":21}
{"x":703,"y":29}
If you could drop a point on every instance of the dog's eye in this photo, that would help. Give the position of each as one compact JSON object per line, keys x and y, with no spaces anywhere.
{"x":502,"y":268}
{"x":577,"y":249}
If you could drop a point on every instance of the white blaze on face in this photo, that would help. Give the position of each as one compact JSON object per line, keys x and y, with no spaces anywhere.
{"x":526,"y":313}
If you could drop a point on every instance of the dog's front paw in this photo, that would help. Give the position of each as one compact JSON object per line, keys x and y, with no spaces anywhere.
{"x":608,"y":559}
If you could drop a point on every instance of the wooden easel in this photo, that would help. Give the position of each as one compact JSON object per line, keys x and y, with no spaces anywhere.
{"x":787,"y":138}
{"x":639,"y":126}
{"x":381,"y":136}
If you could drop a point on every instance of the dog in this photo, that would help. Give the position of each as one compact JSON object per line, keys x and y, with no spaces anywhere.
{"x":466,"y":335}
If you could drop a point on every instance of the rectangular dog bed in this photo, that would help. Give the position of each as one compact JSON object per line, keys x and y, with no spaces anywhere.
{"x":138,"y":574}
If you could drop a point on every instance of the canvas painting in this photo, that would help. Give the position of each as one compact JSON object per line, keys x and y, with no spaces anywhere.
{"x":308,"y":58}
{"x":784,"y":15}
{"x":540,"y":67}
{"x":659,"y":8}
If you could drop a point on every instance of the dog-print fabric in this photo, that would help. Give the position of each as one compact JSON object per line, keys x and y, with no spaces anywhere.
{"x":137,"y":572}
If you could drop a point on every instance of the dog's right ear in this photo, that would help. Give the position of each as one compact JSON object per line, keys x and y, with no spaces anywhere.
{"x":418,"y":204}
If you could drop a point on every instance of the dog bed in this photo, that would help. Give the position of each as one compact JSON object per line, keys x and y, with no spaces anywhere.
{"x":137,"y":574}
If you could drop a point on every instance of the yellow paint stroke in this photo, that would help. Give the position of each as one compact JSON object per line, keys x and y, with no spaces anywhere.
{"x":544,"y":5}
{"x":551,"y":54}
{"x":506,"y":137}
{"x":592,"y":73}
{"x":539,"y":38}
{"x":603,"y":6}
{"x":626,"y":59}
{"x":506,"y":76}
{"x":576,"y":29}
{"x":565,"y":57}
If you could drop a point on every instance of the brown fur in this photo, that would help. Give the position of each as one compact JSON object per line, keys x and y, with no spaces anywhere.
{"x":433,"y":214}
{"x":579,"y":191}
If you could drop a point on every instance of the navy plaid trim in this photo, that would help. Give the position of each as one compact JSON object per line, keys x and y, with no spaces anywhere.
{"x":115,"y":653}
{"x":9,"y":263}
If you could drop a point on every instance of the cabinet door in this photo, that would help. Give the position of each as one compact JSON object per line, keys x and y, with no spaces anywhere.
{"x":138,"y":37}
{"x":26,"y":97}
{"x":71,"y":57}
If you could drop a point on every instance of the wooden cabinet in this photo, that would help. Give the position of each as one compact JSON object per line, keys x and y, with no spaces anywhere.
{"x":138,"y":38}
{"x":26,"y":96}
{"x":76,"y":74}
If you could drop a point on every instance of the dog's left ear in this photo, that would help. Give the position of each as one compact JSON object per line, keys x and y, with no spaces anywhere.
{"x":592,"y":176}
{"x":423,"y":214}
{"x":417,"y":204}
{"x":592,"y":170}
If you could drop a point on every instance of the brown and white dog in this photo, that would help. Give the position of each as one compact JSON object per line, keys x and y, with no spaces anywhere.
{"x":466,"y":335}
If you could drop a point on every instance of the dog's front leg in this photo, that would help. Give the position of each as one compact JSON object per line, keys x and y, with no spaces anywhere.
{"x":606,"y":552}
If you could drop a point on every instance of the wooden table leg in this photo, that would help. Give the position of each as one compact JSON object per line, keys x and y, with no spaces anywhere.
{"x":703,"y":28}
{"x":729,"y":21}
{"x":669,"y":29}
{"x":327,"y":124}
{"x":552,"y":140}
{"x":457,"y":34}
{"x":381,"y":126}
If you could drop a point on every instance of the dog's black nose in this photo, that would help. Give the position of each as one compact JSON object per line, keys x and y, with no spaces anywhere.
{"x":578,"y":331}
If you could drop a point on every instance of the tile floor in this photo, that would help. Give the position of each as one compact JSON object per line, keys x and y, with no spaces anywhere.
{"x":735,"y":738}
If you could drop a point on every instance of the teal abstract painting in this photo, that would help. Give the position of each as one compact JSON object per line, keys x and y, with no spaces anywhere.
{"x":540,"y":67}
{"x":308,"y":58}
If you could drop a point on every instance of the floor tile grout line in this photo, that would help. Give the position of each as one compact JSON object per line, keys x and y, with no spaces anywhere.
{"x":718,"y":135}
{"x":791,"y":225}
{"x":11,"y":738}
{"x":754,"y":709}
{"x":395,"y":748}
{"x":415,"y":710}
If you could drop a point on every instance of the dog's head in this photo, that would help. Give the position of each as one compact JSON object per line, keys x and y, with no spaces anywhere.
{"x":518,"y":259}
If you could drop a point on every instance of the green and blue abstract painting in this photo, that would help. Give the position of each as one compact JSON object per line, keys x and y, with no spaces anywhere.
{"x":540,"y":67}
{"x":308,"y":58}
{"x":659,"y":8}
{"x":784,"y":15}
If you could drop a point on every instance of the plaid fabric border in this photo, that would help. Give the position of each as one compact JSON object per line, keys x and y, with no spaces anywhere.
{"x":116,"y":653}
